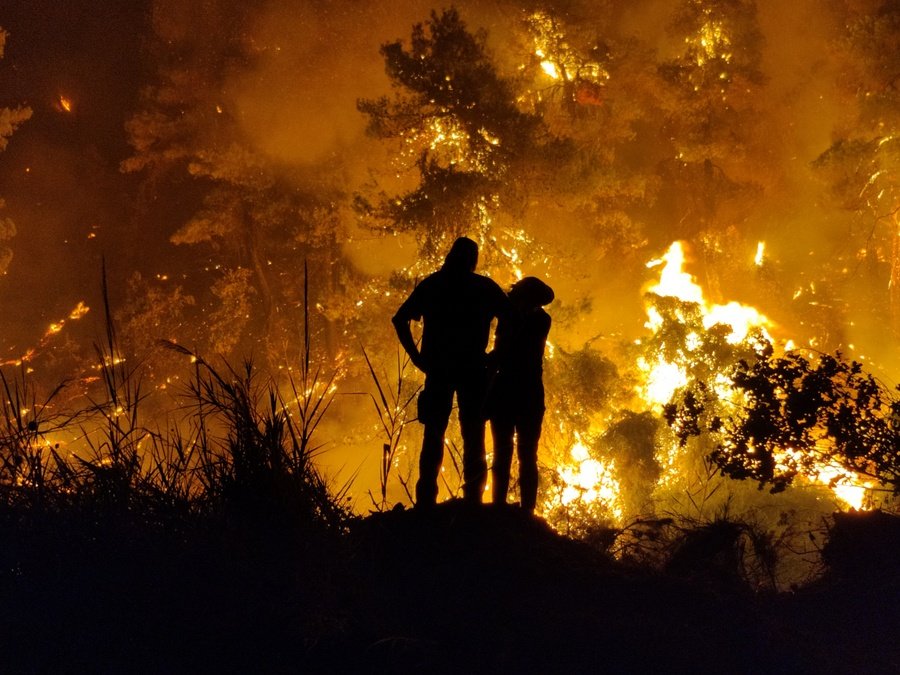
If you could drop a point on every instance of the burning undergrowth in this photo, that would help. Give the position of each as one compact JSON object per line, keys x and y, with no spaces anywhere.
{"x":220,"y":528}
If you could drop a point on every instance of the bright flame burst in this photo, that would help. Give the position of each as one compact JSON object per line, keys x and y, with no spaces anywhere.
{"x":760,"y":256}
{"x":663,"y":377}
{"x":557,"y":58}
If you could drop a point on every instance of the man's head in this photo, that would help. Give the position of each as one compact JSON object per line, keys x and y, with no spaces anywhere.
{"x":463,"y":256}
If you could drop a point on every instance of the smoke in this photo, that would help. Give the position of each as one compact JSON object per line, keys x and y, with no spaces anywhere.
{"x":315,"y":60}
{"x":796,"y":58}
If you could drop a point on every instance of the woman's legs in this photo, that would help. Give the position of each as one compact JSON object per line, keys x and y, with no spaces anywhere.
{"x":528,"y":434}
{"x":502,"y":431}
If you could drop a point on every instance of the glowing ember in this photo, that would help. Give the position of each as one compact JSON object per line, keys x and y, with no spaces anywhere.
{"x":80,"y":310}
{"x":760,"y":256}
{"x":55,"y":328}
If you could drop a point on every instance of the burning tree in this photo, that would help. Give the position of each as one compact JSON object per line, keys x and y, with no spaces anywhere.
{"x":715,"y":166}
{"x":594,"y":89}
{"x":457,"y":123}
{"x":10,"y":118}
{"x":714,"y":374}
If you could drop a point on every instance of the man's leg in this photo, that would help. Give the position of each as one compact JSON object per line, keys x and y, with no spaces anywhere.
{"x":474,"y":461}
{"x":430,"y":463}
{"x":471,"y":399}
{"x":434,"y":405}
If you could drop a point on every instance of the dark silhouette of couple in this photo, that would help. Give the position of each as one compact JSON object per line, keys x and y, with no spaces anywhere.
{"x":457,"y":307}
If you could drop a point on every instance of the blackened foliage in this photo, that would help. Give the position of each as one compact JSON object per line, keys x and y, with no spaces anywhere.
{"x":826,"y":409}
{"x":685,"y":415}
{"x":862,"y":547}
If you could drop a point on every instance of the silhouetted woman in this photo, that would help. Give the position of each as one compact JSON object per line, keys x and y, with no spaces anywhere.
{"x":516,"y":402}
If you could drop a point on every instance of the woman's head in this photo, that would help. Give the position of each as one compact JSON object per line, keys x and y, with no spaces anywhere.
{"x":531,"y":292}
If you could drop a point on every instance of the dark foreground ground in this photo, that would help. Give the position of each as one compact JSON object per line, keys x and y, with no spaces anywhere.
{"x":457,"y":590}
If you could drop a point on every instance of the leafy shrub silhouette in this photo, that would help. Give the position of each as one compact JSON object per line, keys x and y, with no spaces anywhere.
{"x":795,"y":414}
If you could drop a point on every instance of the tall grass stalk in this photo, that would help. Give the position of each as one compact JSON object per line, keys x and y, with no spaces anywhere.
{"x":391,"y":406}
{"x":115,"y":463}
{"x":26,"y":452}
{"x":253,"y":448}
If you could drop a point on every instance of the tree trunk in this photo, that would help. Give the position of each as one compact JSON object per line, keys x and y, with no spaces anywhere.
{"x":894,"y":283}
{"x":259,"y":272}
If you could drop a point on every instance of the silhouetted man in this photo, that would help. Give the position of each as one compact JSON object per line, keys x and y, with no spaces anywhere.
{"x":456,"y":306}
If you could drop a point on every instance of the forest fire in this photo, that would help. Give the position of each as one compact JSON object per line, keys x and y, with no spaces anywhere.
{"x":223,"y":458}
{"x":589,"y":481}
{"x":572,"y":145}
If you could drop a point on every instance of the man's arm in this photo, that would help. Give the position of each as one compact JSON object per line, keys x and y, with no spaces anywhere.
{"x":404,"y":333}
{"x":409,"y":311}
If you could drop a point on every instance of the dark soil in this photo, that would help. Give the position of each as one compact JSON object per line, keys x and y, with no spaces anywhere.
{"x":458,"y":589}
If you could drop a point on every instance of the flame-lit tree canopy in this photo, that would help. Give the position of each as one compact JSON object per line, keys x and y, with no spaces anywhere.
{"x":257,"y":222}
{"x":458,"y":123}
{"x":710,"y":99}
{"x":862,"y":166}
